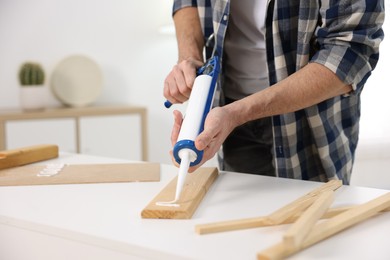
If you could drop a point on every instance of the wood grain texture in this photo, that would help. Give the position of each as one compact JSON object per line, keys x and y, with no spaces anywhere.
{"x":80,"y":174}
{"x":300,"y":204}
{"x":330,"y":227}
{"x":195,"y":188}
{"x":302,"y":227}
{"x":26,"y":155}
{"x":256,"y":222}
{"x":285,"y":214}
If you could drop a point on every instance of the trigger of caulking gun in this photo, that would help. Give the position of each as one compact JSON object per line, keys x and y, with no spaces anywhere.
{"x":199,"y":105}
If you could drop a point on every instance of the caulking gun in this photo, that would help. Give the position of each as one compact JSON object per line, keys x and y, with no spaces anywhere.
{"x":199,"y":105}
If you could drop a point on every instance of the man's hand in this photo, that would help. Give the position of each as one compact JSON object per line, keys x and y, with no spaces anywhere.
{"x":190,"y":41}
{"x":178,"y":84}
{"x":218,"y":125}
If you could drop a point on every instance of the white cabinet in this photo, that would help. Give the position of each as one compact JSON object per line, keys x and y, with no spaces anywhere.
{"x":112,"y":136}
{"x":42,"y":131}
{"x":117,"y":132}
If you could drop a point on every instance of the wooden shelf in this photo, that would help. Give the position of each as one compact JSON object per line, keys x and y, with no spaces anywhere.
{"x":75,"y":114}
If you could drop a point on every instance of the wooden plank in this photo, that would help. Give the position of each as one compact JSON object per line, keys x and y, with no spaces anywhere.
{"x":26,"y":155}
{"x":330,"y":227}
{"x":302,"y":227}
{"x":81,"y":174}
{"x":280,"y":216}
{"x":256,"y":222}
{"x":195,"y":187}
{"x":296,"y":206}
{"x":2,"y":135}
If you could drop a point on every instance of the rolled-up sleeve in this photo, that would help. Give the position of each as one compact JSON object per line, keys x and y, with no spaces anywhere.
{"x":179,"y":4}
{"x":349,"y":38}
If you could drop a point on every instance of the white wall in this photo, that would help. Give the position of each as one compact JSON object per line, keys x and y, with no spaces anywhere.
{"x":375,"y":122}
{"x":123,"y":37}
{"x":372,"y":163}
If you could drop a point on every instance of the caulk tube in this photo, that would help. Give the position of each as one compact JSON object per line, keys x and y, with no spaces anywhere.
{"x":196,"y":112}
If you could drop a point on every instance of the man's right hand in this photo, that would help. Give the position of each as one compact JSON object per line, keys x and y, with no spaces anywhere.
{"x":189,"y":35}
{"x":178,"y":84}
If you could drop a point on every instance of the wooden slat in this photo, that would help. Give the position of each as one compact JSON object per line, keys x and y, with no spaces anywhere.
{"x":246,"y":223}
{"x":330,"y":227}
{"x":291,"y":209}
{"x":279,"y":216}
{"x":302,"y":227}
{"x":81,"y":174}
{"x":195,"y":187}
{"x":26,"y":155}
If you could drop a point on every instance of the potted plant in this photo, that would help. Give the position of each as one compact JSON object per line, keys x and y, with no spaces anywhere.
{"x":32,"y":92}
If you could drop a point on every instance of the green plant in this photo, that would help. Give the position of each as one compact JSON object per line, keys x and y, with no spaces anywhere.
{"x":31,"y":74}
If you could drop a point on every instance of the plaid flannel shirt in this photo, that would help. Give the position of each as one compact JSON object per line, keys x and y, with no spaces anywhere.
{"x":316,"y":143}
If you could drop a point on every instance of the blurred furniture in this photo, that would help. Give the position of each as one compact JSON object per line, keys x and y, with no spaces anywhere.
{"x":111,"y":131}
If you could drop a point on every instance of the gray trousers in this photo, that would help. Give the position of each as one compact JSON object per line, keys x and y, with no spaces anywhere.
{"x":248,"y":149}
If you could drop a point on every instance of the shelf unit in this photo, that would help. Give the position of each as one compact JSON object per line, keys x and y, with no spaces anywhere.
{"x":76,"y":114}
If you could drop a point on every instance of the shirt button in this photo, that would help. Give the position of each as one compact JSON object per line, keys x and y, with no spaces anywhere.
{"x":225,"y":17}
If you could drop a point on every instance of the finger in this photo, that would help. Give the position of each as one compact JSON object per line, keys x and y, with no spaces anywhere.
{"x":181,"y":90}
{"x":178,"y":120}
{"x":190,"y":75}
{"x":204,"y":139}
{"x":211,"y":149}
{"x":189,"y":68}
{"x":172,"y":91}
{"x":179,"y":75}
{"x":172,"y":84}
{"x":167,"y":93}
{"x":194,"y":168}
{"x":173,"y":159}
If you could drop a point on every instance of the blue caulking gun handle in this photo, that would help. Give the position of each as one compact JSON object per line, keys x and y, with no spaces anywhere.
{"x":167,"y":104}
{"x":199,"y":105}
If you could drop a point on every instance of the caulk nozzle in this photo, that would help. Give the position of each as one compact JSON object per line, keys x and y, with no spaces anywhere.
{"x":183,"y":170}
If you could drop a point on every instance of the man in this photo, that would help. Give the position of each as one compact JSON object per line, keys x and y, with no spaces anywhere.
{"x":300,"y":119}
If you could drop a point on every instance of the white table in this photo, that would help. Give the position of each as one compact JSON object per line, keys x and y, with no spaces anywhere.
{"x":102,"y":221}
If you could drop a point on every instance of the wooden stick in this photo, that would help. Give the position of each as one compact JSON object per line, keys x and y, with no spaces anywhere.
{"x":301,"y":228}
{"x":195,"y":188}
{"x":329,"y":214}
{"x":296,"y":206}
{"x":278,"y":217}
{"x":330,"y":227}
{"x":81,"y":173}
{"x":231,"y":225}
{"x":26,"y":155}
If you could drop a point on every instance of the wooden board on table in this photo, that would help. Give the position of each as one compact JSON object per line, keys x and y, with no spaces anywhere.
{"x":26,"y":155}
{"x":195,"y":188}
{"x":81,"y":173}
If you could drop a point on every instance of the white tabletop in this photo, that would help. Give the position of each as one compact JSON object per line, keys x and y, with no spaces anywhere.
{"x":103,"y":221}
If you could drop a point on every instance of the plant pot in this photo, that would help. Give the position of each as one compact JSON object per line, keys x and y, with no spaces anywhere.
{"x":33,"y":97}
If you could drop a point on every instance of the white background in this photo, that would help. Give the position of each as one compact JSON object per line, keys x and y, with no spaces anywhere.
{"x":124,"y":38}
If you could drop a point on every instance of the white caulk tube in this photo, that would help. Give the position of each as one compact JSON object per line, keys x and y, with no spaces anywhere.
{"x":184,"y":151}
